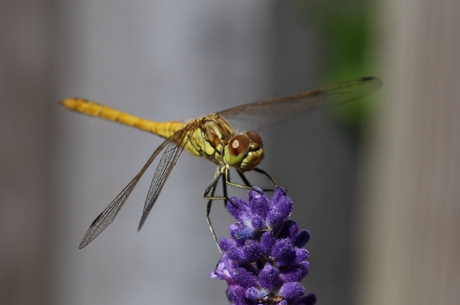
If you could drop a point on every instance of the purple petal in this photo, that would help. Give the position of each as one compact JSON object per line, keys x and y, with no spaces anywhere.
{"x":255,"y":294}
{"x":241,"y":233}
{"x":244,"y":278}
{"x":291,"y":290}
{"x":238,"y":208}
{"x":269,"y":277}
{"x":236,"y":295}
{"x":302,"y":238}
{"x":280,"y":212}
{"x":267,"y":241}
{"x":295,"y":273}
{"x":279,"y":194}
{"x":253,"y":251}
{"x":224,"y":270}
{"x":259,"y":203}
{"x":309,"y":299}
{"x":301,"y":255}
{"x":236,"y":254}
{"x":258,"y":223}
{"x":289,"y":230}
{"x":283,"y":252}
{"x":226,"y":244}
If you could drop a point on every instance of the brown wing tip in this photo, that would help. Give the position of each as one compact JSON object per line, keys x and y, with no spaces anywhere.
{"x":141,"y":223}
{"x":315,"y":92}
{"x":366,"y":78}
{"x":87,"y":239}
{"x":83,"y":243}
{"x":372,"y":78}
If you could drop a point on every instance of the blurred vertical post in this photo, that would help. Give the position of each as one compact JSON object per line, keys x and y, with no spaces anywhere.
{"x":410,"y":221}
{"x":26,"y":134}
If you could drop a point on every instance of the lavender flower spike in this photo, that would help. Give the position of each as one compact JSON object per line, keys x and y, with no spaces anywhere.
{"x":264,"y":262}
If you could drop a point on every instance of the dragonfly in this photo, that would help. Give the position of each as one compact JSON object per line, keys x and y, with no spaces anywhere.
{"x":212,"y":137}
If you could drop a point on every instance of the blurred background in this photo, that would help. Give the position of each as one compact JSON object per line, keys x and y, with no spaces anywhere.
{"x":376,"y":181}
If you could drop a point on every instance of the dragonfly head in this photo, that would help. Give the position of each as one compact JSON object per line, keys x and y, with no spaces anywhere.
{"x":244,"y":151}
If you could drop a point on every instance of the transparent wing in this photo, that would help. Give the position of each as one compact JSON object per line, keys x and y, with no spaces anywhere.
{"x":165,"y":166}
{"x":280,"y":108}
{"x":110,"y":212}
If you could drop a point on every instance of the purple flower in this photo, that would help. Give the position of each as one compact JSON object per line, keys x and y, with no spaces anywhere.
{"x":264,"y":262}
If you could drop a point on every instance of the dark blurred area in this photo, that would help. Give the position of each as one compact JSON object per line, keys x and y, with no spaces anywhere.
{"x":367,"y":178}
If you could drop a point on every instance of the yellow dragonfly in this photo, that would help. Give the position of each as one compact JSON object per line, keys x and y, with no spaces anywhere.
{"x":214,"y":138}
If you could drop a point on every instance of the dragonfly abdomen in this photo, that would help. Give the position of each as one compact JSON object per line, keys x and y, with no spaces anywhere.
{"x":80,"y":105}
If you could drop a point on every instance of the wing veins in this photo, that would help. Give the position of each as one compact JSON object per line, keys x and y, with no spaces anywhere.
{"x":110,"y":212}
{"x":286,"y":106}
{"x":165,"y":166}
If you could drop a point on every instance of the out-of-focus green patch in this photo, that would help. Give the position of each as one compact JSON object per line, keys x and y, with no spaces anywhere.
{"x":345,"y":29}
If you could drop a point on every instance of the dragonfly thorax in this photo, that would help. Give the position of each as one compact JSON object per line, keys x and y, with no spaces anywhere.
{"x":210,"y":137}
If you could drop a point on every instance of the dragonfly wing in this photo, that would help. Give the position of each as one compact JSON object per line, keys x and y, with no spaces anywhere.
{"x":108,"y":215}
{"x":280,"y":108}
{"x":169,"y":158}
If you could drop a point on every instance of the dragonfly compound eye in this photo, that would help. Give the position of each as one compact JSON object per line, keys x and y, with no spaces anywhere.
{"x":236,"y":150}
{"x":254,"y":137}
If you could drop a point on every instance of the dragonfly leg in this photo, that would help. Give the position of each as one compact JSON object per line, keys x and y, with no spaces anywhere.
{"x":246,"y":184}
{"x":261,"y":171}
{"x":243,"y":177}
{"x":226,"y":177}
{"x":208,"y":219}
{"x":209,"y":194}
{"x":224,"y":187}
{"x":225,"y":172}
